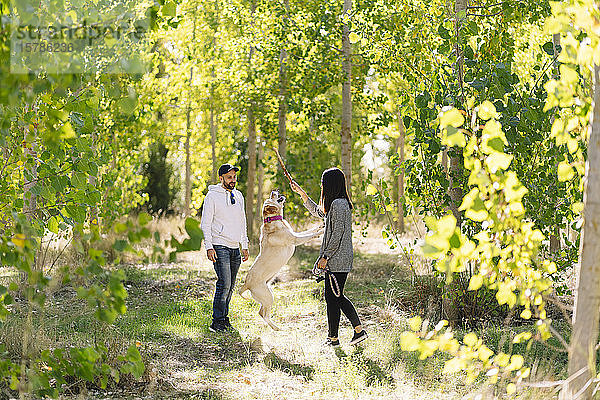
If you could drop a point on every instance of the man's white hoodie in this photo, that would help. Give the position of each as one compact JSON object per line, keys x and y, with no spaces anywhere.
{"x":224,"y":223}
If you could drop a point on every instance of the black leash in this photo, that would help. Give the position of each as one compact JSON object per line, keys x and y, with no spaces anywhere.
{"x":332,"y":281}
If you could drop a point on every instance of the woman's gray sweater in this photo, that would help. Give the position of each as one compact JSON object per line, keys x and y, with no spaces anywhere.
{"x":337,"y":239}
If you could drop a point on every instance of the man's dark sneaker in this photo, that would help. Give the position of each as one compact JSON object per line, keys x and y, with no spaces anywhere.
{"x":227,"y":325}
{"x":217,"y":327}
{"x":358,"y":337}
{"x":332,"y":343}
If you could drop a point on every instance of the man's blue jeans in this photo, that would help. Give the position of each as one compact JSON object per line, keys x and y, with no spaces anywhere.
{"x":227,"y":266}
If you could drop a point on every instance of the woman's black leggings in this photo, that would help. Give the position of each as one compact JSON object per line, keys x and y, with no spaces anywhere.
{"x":337,"y":304}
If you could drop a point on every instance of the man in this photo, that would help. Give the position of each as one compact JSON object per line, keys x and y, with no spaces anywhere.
{"x":224,"y":227}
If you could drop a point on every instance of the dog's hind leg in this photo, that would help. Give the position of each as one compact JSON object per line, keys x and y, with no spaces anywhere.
{"x":243,"y":290}
{"x":262,"y":294}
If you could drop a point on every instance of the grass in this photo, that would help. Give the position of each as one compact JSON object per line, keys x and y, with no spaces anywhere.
{"x":169,"y":310}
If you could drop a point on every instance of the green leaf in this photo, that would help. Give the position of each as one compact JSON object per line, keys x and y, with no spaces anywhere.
{"x":453,"y":366}
{"x":497,"y":144}
{"x":568,"y":75}
{"x":454,"y":241}
{"x":498,"y":161}
{"x":371,"y":190}
{"x":487,"y":110}
{"x":475,"y":282}
{"x":470,"y":339}
{"x":446,"y":226}
{"x":66,"y":131}
{"x":516,"y":362}
{"x":422,"y":100}
{"x":443,"y":32}
{"x":474,"y":206}
{"x":192,"y":227}
{"x":452,"y":117}
{"x":144,"y":218}
{"x":127,"y":105}
{"x":415,"y":323}
{"x":505,"y":295}
{"x":120,"y":227}
{"x":354,"y":37}
{"x":120,"y":244}
{"x":522,"y":337}
{"x":145,"y":233}
{"x":79,"y":180}
{"x":565,"y":171}
{"x":454,"y":137}
{"x":548,"y":48}
{"x":53,"y":225}
{"x":409,"y":341}
{"x":77,"y":212}
{"x":169,"y":9}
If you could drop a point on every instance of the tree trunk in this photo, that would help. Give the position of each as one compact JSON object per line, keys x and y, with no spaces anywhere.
{"x":555,"y":235}
{"x":282,"y":112}
{"x":29,"y":198}
{"x":400,"y":177}
{"x":251,"y":172}
{"x":346,"y":128}
{"x":456,"y":160}
{"x":92,"y":181}
{"x":450,"y":309}
{"x":188,"y":134}
{"x":188,"y":164}
{"x":445,"y":163}
{"x":251,"y":145}
{"x":259,"y":182}
{"x":213,"y":144}
{"x":212,"y":122}
{"x":311,"y":134}
{"x":582,"y":350}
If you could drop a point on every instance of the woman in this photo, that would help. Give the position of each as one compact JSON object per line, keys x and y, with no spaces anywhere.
{"x":335,"y":256}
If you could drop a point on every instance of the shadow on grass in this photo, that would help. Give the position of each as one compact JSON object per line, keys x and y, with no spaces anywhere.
{"x":374,"y":374}
{"x":170,"y":316}
{"x":273,"y":361}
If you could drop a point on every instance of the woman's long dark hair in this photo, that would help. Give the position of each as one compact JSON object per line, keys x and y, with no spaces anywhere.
{"x":333,"y":186}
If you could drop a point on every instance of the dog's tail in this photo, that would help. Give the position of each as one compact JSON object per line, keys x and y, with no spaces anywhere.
{"x":243,"y":290}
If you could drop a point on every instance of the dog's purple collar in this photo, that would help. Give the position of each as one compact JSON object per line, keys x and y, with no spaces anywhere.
{"x":274,"y":218}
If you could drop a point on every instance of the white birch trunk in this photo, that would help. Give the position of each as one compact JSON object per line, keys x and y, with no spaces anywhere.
{"x":29,"y":198}
{"x":213,"y":144}
{"x":555,"y":235}
{"x":346,"y":126}
{"x":251,"y":147}
{"x":94,"y":223}
{"x":582,"y":350}
{"x":188,"y":134}
{"x":282,"y":112}
{"x":400,"y":177}
{"x":251,"y":172}
{"x":456,"y":162}
{"x":260,"y":172}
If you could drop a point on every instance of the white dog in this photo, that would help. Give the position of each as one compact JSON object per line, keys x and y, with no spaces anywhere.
{"x":277,"y":244}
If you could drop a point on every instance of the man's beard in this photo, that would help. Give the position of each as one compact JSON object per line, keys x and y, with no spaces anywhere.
{"x":229,"y":186}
